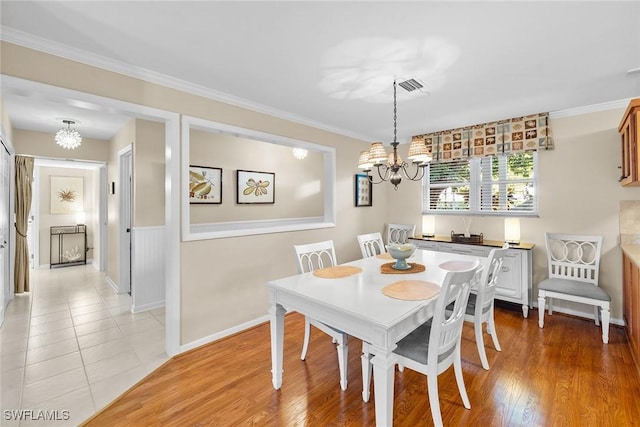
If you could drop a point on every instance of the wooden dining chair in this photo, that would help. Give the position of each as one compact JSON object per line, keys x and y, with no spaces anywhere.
{"x":435,"y":345}
{"x":574,"y":266}
{"x":400,"y":233}
{"x":311,"y":257}
{"x":371,"y":244}
{"x":480,"y":306}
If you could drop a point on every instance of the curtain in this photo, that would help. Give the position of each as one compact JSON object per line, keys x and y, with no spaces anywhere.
{"x":24,"y":178}
{"x":518,"y":134}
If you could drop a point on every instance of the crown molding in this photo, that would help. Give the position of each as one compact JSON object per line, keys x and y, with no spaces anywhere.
{"x":621,"y":103}
{"x":40,"y":44}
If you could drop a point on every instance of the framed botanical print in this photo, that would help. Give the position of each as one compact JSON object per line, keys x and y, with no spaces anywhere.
{"x":364,"y":190}
{"x":67,"y":194}
{"x":205,"y":185}
{"x":255,"y":187}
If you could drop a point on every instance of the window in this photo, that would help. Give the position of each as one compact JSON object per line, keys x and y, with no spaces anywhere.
{"x":494,"y":185}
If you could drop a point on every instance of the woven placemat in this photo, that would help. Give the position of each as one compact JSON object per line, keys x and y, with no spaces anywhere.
{"x":411,"y":290}
{"x":456,"y":265}
{"x":337,"y":271}
{"x":415,"y":268}
{"x":384,"y":256}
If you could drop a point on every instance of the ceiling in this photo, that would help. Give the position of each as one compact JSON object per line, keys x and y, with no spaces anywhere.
{"x":332,"y":64}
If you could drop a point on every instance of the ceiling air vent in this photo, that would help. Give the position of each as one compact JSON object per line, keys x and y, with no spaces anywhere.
{"x":410,"y":85}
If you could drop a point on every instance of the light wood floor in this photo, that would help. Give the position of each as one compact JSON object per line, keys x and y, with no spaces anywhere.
{"x":562,"y":375}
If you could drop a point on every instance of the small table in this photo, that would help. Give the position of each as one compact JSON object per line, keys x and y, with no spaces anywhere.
{"x":357,"y":306}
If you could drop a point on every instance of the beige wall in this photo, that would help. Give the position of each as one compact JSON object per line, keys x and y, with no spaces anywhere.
{"x":149,"y":173}
{"x":41,"y":144}
{"x":222,"y":281}
{"x":48,"y":219}
{"x":578,"y":193}
{"x":298,"y":183}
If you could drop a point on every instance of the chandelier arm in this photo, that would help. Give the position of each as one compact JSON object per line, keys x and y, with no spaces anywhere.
{"x":417,"y":176}
{"x":382,"y":179}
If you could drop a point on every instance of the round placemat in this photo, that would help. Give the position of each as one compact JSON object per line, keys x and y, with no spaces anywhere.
{"x":456,"y":265}
{"x":415,"y":268}
{"x":411,"y":290}
{"x":337,"y":271}
{"x":385,"y":255}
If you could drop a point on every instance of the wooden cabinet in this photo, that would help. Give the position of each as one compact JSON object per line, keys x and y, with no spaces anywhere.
{"x":516,"y":276}
{"x":631,"y":305}
{"x":630,"y":138}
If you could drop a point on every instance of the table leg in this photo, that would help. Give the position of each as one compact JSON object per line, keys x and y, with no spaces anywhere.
{"x":383,"y":376}
{"x":276,"y":312}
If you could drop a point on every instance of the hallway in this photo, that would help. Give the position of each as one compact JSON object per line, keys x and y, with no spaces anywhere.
{"x":72,"y":346}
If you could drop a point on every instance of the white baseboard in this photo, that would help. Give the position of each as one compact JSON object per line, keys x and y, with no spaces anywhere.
{"x":147,"y":307}
{"x":111,"y":283}
{"x":223,"y":334}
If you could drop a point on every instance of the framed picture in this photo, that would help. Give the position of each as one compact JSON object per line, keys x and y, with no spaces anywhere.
{"x":255,"y":187}
{"x":67,"y":194}
{"x":205,"y":185}
{"x":364,"y":190}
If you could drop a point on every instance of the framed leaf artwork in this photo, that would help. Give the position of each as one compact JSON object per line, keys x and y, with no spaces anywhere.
{"x":67,"y":194}
{"x":205,"y":185}
{"x":255,"y":187}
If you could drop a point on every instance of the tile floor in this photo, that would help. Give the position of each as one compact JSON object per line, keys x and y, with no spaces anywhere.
{"x":72,"y":344}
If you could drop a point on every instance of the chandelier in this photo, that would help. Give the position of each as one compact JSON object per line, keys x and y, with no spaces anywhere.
{"x":391,"y":167}
{"x":68,"y":138}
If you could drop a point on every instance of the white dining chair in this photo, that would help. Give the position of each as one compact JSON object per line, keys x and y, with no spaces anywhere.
{"x":435,"y":345}
{"x":480,"y":306}
{"x":371,"y":244}
{"x":400,"y":233}
{"x":574,"y":266}
{"x":311,"y":257}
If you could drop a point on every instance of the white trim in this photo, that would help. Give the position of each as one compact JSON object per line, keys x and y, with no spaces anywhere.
{"x":14,"y":36}
{"x":246,"y":228}
{"x":125,"y":210}
{"x":111,"y":283}
{"x":621,"y":103}
{"x":172,"y":221}
{"x":224,"y":334}
{"x":146,"y":307}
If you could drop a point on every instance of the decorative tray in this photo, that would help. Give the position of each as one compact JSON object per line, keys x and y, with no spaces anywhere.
{"x":460,"y":238}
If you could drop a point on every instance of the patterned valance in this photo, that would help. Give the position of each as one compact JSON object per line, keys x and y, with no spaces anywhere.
{"x":519,"y":134}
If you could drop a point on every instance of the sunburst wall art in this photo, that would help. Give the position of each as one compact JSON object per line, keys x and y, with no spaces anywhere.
{"x":67,"y":194}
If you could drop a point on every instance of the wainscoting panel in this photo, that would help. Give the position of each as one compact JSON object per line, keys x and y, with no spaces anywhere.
{"x":148,"y":268}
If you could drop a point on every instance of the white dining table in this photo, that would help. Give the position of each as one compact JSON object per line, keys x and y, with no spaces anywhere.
{"x":357,"y":306}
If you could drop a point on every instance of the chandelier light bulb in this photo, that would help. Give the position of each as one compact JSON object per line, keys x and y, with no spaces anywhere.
{"x":68,"y":138}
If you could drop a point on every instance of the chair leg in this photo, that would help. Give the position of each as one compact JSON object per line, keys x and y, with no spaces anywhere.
{"x":477,"y":326}
{"x":541,"y":310}
{"x":434,"y":400}
{"x":367,"y":369}
{"x":605,"y":325}
{"x":491,"y":326}
{"x":457,"y":367}
{"x":307,"y":334}
{"x":343,"y":351}
{"x":596,"y":314}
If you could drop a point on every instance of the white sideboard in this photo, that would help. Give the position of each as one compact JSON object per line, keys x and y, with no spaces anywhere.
{"x":516,"y":277}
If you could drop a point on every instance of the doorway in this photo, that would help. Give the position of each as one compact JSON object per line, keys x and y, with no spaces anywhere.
{"x":125,"y":162}
{"x":5,"y":214}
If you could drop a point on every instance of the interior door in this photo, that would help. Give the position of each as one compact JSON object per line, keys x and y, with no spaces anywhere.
{"x":5,"y":186}
{"x":126,"y":203}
